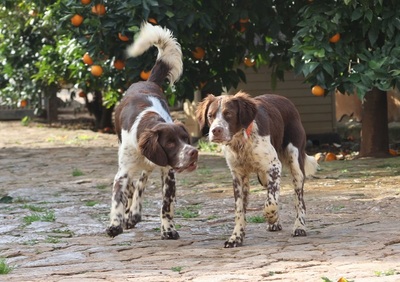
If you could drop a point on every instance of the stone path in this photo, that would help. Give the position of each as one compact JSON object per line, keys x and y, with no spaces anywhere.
{"x":52,"y":223}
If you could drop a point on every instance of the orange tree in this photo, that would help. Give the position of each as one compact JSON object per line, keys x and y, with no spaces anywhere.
{"x":37,"y":59}
{"x":45,"y":50}
{"x":215,"y":37}
{"x":19,"y":44}
{"x":353,"y":46}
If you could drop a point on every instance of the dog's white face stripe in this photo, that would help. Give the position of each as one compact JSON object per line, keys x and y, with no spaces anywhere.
{"x":219,"y":122}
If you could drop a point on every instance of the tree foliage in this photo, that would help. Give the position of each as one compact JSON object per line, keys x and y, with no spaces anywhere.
{"x":367,"y":54}
{"x":227,"y":31}
{"x":40,"y":46}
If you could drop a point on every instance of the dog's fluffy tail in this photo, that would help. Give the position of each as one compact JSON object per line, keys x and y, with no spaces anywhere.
{"x":169,"y":60}
{"x":310,"y":165}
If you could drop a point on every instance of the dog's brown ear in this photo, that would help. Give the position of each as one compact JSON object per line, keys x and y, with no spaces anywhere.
{"x":177,"y":122}
{"x":247,"y":108}
{"x":151,"y":148}
{"x":201,"y":111}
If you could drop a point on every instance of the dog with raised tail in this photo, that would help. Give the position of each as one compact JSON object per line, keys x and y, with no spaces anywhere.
{"x":149,"y":138}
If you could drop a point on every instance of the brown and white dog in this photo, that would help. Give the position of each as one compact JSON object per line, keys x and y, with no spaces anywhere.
{"x":149,"y":138}
{"x":256,"y":135}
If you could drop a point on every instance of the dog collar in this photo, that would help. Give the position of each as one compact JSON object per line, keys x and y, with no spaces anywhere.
{"x":249,"y":129}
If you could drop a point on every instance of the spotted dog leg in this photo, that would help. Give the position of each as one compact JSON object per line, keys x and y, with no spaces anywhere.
{"x":135,"y":209}
{"x":241,"y":190}
{"x":271,"y":179}
{"x":129,"y":195}
{"x":299,"y":228}
{"x":119,"y":202}
{"x":168,"y":230}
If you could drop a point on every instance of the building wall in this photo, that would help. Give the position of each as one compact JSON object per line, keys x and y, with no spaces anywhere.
{"x":317,"y":113}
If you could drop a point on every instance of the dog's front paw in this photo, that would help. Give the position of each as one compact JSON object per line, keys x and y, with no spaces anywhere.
{"x":170,"y":235}
{"x":233,"y":242}
{"x":132,"y":220}
{"x":275,"y":227}
{"x":113,"y":230}
{"x":299,"y":232}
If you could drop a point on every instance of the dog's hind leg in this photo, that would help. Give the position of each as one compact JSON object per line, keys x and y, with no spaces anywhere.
{"x":241,"y":190}
{"x":135,"y":208}
{"x":119,"y":202}
{"x":168,"y":230}
{"x":297,"y":171}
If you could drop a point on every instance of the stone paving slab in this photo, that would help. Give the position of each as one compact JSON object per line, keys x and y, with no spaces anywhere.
{"x":353,"y":211}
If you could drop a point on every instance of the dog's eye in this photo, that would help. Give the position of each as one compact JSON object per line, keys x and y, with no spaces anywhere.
{"x":170,"y":144}
{"x":227,"y":115}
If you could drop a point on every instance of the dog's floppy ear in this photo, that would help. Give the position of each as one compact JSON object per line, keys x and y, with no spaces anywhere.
{"x":151,"y":148}
{"x":201,"y":111}
{"x":247,"y":108}
{"x":177,"y":122}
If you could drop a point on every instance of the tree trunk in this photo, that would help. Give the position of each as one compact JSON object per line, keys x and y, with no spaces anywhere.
{"x":51,"y":102}
{"x":102,"y":115}
{"x":106,"y":120}
{"x":374,"y":128}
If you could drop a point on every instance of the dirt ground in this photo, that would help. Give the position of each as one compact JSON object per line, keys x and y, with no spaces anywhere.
{"x":55,"y":189}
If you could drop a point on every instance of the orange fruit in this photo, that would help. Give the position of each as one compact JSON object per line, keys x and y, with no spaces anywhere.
{"x":245,"y":20}
{"x":335,"y":38}
{"x":152,"y":21}
{"x":198,"y":53}
{"x":87,"y":59}
{"x":85,"y":2}
{"x":23,"y":103}
{"x":96,"y":70}
{"x":330,"y":157}
{"x":99,"y":9}
{"x":119,"y":64}
{"x":82,"y":94}
{"x":318,"y":90}
{"x":249,"y":62}
{"x":242,"y":28}
{"x":123,"y":37}
{"x":145,"y":74}
{"x":76,"y":20}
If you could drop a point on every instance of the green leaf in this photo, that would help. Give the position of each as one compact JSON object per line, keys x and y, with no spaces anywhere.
{"x":396,"y":23}
{"x":366,"y":79}
{"x":309,"y":68}
{"x":319,"y":53}
{"x":328,"y":67}
{"x":169,"y":14}
{"x":395,"y":72}
{"x":373,"y":34}
{"x":369,"y":15}
{"x":357,"y":14}
{"x":361,"y":91}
